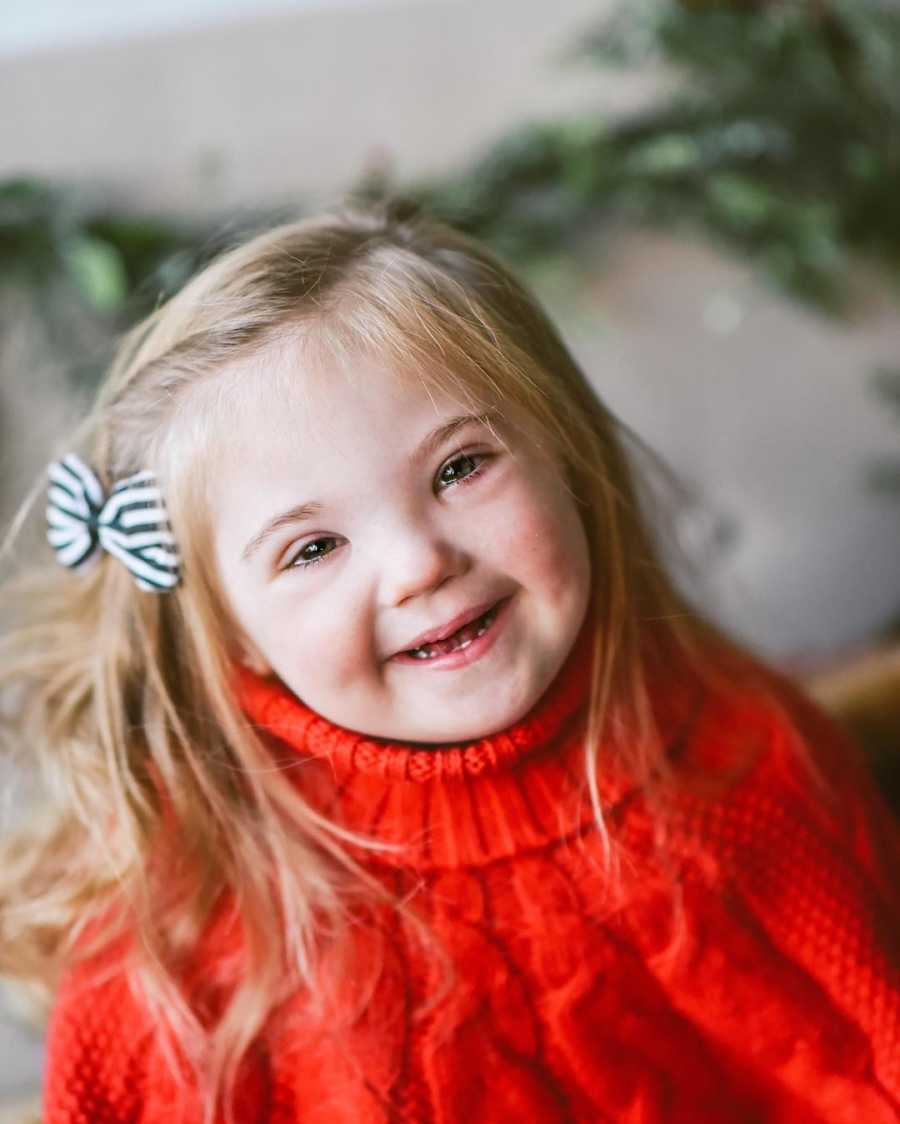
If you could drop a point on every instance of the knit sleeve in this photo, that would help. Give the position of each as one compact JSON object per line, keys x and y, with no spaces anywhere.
{"x":96,"y":1046}
{"x":818,"y":867}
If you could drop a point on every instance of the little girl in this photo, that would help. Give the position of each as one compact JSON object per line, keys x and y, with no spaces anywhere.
{"x":392,"y":779}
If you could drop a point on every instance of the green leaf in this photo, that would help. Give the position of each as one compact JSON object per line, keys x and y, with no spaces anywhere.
{"x":739,"y":200}
{"x":97,"y":269}
{"x":672,"y":154}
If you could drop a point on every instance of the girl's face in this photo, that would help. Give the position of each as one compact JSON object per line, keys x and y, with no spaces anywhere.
{"x":355,"y":516}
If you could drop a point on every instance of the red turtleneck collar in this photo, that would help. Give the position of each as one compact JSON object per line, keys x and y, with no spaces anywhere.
{"x":463,"y":804}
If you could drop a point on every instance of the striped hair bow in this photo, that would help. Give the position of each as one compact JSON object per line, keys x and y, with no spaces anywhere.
{"x":130,"y":523}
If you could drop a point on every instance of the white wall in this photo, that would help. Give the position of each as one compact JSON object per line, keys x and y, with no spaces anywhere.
{"x":294,"y":103}
{"x":61,"y":24}
{"x":767,"y":409}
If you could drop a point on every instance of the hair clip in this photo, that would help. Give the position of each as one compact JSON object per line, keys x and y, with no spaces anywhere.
{"x":129,"y":523}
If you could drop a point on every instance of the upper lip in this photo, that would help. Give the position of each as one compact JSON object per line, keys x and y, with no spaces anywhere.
{"x":445,"y":630}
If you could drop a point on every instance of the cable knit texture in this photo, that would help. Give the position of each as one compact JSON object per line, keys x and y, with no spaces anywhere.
{"x":780,"y":1003}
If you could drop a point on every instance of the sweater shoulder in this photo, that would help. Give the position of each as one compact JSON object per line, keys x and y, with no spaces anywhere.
{"x":767,"y":770}
{"x":112,"y":1053}
{"x":802,"y":848}
{"x":96,"y":1048}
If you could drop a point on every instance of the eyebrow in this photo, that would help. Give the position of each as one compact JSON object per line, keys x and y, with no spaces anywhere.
{"x":432,"y":441}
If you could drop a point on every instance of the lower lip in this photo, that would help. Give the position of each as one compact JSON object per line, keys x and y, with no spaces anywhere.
{"x":462,"y":657}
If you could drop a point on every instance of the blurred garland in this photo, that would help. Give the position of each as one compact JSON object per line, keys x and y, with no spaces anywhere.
{"x":779,"y":138}
{"x":116,"y":264}
{"x":782,"y":141}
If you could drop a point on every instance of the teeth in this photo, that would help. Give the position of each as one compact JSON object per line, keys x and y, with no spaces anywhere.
{"x":427,"y":652}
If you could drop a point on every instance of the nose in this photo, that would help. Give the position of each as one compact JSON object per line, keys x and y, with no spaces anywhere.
{"x":418,"y":560}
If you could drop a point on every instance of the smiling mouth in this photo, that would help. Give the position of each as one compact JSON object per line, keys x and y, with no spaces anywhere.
{"x":458,"y":640}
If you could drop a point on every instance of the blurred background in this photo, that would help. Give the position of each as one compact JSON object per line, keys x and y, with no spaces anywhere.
{"x":704,"y":193}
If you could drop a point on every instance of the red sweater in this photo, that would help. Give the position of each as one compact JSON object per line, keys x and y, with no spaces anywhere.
{"x":783,"y":1005}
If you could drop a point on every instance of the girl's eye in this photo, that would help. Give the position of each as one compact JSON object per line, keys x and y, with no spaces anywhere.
{"x":310,"y":554}
{"x":464,"y":476}
{"x":461,"y":470}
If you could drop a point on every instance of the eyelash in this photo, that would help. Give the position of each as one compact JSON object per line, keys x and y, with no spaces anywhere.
{"x":295,"y":564}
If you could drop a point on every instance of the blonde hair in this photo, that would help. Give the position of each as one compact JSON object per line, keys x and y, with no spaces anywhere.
{"x":121,"y":695}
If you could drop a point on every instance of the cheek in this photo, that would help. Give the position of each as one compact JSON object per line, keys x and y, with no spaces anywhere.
{"x":544,"y":534}
{"x":319,"y":640}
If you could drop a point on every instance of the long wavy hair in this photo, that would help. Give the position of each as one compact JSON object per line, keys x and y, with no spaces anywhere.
{"x":161,"y":799}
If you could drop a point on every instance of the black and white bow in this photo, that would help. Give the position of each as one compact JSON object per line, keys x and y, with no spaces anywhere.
{"x":130,"y":523}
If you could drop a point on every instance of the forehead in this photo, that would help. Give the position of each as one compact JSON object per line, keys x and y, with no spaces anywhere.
{"x":292,"y":395}
{"x":292,"y":405}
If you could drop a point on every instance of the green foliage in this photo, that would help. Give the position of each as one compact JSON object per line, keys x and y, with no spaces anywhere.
{"x":781,"y":140}
{"x":117,"y":264}
{"x":91,"y":269}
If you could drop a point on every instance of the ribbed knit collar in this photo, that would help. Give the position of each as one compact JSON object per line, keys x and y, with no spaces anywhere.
{"x":449,"y":806}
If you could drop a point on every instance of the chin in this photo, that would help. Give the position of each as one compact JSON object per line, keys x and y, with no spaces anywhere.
{"x":491,"y":723}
